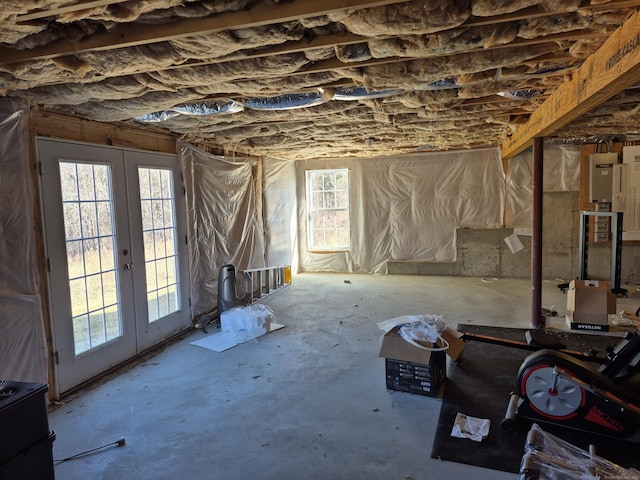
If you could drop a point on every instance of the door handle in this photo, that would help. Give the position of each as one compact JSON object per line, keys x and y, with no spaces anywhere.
{"x":128,"y":266}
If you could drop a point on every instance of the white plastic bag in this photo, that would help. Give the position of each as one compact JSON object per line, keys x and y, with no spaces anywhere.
{"x":419,"y":328}
{"x":421,"y":331}
{"x":246,"y":323}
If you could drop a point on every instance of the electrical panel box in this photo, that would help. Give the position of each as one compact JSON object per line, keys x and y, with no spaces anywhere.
{"x":626,"y":192}
{"x":601,"y":176}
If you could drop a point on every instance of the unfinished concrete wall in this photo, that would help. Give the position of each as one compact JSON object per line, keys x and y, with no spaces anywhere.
{"x":599,"y":263}
{"x":483,"y":252}
{"x":480,"y":253}
{"x":560,"y":233}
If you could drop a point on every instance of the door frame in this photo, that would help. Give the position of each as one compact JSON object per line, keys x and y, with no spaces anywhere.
{"x":131,"y":330}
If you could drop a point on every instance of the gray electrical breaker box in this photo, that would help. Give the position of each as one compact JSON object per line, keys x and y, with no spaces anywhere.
{"x":601,"y":176}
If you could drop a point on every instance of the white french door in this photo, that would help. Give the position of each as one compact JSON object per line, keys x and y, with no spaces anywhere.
{"x":115,"y":236}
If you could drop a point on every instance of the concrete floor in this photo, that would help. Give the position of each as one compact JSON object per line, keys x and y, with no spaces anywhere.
{"x":308,"y":401}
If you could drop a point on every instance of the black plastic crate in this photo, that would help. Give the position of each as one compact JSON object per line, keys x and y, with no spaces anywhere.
{"x":418,"y":378}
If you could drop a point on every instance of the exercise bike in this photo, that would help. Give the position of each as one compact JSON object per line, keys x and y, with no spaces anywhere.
{"x":557,"y":388}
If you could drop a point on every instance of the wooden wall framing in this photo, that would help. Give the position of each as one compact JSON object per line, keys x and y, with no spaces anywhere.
{"x":65,"y":127}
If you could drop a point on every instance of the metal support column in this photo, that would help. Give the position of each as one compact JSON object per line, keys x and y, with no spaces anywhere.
{"x":616,"y":255}
{"x":583,"y":247}
{"x":537,"y":319}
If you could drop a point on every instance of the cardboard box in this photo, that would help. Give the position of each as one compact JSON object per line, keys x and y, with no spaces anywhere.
{"x":394,"y":346}
{"x":418,"y":378}
{"x":415,"y":370}
{"x":590,"y":301}
{"x":456,"y":344}
{"x":587,"y":322}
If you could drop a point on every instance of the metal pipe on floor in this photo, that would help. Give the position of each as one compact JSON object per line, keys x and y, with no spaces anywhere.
{"x":537,"y":320}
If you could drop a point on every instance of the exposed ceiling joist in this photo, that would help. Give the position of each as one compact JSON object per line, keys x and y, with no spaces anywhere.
{"x":328,"y":41}
{"x":262,"y":13}
{"x":487,"y":100}
{"x":346,"y":39}
{"x":535,"y":12}
{"x":349,"y":39}
{"x":612,"y":68}
{"x":434,"y":75}
{"x":76,"y":7}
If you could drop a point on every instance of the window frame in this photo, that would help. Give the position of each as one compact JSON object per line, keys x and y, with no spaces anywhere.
{"x":311,"y":210}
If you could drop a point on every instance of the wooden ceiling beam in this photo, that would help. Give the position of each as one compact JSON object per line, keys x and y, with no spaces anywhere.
{"x":328,"y":41}
{"x":612,"y":68}
{"x":197,"y":26}
{"x":587,"y":7}
{"x":499,"y":99}
{"x":287,"y":48}
{"x":128,"y":35}
{"x":524,"y":14}
{"x":76,"y":7}
{"x":532,"y":13}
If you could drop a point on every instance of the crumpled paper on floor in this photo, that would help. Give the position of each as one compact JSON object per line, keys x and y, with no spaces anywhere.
{"x":476,"y":429}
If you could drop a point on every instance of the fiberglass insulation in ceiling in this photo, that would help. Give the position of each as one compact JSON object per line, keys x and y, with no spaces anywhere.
{"x":301,"y":79}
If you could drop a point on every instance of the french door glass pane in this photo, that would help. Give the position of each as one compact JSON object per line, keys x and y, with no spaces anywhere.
{"x":157,"y":204}
{"x":91,"y":248}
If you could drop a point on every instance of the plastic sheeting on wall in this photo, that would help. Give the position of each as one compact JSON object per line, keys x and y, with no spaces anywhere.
{"x":407,"y":208}
{"x":279,"y":192}
{"x":224,"y":225}
{"x":561,"y":173}
{"x":23,"y":346}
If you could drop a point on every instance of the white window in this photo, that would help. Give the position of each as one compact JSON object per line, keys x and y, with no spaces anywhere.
{"x":157,"y":203}
{"x":328,"y":208}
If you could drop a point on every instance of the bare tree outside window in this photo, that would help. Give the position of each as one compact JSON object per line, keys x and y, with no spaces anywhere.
{"x":87,"y":203}
{"x":157,"y":204}
{"x":328,"y":210}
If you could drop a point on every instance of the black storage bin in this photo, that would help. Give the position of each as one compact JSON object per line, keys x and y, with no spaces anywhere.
{"x":23,"y":417}
{"x":32,"y":463}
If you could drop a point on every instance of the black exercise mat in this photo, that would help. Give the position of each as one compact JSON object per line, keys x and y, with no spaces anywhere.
{"x":480,"y":387}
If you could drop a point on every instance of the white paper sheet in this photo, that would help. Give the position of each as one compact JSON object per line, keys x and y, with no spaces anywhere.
{"x":476,"y":429}
{"x":514,"y":243}
{"x":221,"y":341}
